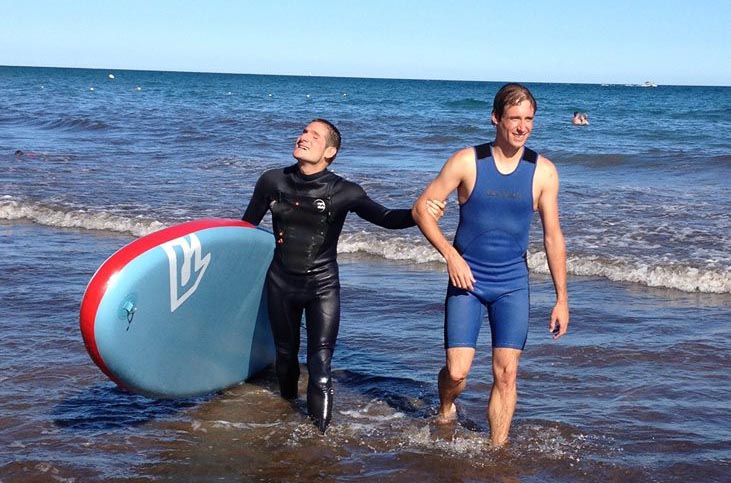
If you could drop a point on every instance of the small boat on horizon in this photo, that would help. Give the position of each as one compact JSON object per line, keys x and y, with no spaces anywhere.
{"x":648,"y":84}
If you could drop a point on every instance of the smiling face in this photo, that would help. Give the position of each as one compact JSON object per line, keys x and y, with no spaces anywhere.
{"x":312,"y":146}
{"x":513,"y":128}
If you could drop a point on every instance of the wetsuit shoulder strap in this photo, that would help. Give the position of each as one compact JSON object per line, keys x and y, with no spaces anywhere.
{"x":483,"y":151}
{"x":530,"y":155}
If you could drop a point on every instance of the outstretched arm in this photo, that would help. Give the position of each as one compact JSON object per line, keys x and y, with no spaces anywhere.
{"x":379,"y":215}
{"x":455,"y":171}
{"x":553,"y":241}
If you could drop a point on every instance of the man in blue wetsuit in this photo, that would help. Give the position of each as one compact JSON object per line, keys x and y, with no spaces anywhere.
{"x":499,"y":186}
{"x":309,"y":205}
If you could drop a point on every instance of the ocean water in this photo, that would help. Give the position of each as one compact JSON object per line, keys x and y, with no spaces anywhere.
{"x":638,"y":390}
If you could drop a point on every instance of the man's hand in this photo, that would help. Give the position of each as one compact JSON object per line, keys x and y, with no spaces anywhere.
{"x":436,"y":208}
{"x":460,"y":273}
{"x":559,"y":323}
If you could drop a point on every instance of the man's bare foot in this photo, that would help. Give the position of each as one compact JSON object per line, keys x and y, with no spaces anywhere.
{"x":504,"y":444}
{"x":450,"y":417}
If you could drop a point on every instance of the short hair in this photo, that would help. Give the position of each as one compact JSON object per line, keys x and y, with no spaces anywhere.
{"x":333,"y":135}
{"x":511,"y":94}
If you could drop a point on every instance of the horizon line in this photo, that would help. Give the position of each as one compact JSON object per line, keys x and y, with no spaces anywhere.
{"x":627,"y":84}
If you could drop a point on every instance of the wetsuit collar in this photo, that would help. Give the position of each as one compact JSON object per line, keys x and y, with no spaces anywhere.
{"x":309,"y":177}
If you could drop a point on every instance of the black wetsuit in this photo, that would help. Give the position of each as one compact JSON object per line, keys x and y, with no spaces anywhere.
{"x":308,"y":212}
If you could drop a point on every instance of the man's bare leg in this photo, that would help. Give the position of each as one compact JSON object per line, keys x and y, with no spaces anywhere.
{"x":504,"y":394}
{"x":452,"y":381}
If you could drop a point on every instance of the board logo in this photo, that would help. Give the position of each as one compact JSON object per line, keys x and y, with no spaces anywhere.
{"x":320,"y":205}
{"x":181,"y":268}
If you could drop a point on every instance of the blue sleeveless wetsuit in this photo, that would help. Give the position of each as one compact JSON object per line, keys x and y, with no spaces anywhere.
{"x":492,"y":237}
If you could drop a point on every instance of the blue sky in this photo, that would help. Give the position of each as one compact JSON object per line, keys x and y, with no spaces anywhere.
{"x":617,"y":41}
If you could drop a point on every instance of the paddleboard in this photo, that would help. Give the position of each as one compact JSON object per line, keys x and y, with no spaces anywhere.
{"x":182,"y":312}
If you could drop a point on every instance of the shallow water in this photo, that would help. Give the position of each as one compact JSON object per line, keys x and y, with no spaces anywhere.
{"x":635,"y":392}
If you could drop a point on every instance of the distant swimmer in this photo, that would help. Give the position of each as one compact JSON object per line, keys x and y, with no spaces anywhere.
{"x":500,"y":185}
{"x":579,"y":119}
{"x":19,"y":153}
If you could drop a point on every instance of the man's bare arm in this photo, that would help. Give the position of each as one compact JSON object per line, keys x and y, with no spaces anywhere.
{"x":554,"y":243}
{"x":453,"y":174}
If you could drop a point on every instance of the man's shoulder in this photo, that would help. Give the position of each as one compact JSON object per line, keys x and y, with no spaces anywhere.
{"x":544,"y":163}
{"x":463,"y":160}
{"x":546,"y":171}
{"x":464,"y":155}
{"x":344,"y":185}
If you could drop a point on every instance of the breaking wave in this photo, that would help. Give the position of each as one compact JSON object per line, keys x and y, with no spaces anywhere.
{"x":64,"y":217}
{"x":408,"y":248}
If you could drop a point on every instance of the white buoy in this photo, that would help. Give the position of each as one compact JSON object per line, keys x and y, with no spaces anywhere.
{"x":138,"y":88}
{"x":91,"y":88}
{"x":111,"y":76}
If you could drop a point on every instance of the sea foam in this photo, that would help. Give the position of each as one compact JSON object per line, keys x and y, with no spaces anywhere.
{"x":11,"y":209}
{"x":413,"y":249}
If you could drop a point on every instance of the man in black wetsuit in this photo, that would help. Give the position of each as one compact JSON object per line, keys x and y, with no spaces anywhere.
{"x":309,"y":204}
